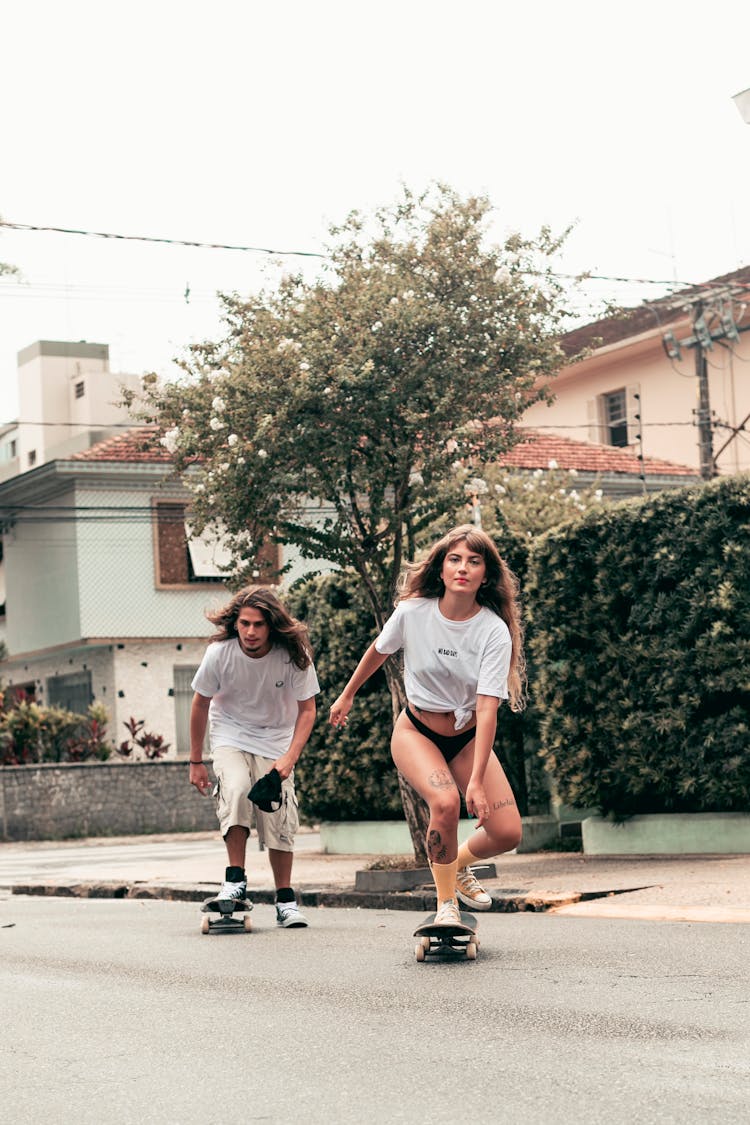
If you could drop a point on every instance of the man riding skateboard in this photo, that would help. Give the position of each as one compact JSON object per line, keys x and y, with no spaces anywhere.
{"x":256,"y":689}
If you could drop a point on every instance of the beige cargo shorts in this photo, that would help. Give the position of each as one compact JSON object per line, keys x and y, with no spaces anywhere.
{"x":236,"y":772}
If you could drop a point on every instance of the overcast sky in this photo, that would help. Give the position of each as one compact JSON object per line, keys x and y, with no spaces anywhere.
{"x":259,"y":124}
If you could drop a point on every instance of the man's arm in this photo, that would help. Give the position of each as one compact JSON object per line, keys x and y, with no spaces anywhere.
{"x":306,"y":711}
{"x":198,"y":722}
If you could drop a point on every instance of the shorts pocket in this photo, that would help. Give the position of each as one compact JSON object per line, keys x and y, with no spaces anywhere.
{"x":289,"y":820}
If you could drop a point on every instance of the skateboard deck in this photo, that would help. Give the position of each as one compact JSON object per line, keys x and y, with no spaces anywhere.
{"x":228,"y":917}
{"x":456,"y":941}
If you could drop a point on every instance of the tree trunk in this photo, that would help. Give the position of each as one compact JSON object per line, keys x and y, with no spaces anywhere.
{"x":415,"y":809}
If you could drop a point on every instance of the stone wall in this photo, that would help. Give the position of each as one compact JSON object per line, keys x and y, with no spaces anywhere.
{"x":52,"y":802}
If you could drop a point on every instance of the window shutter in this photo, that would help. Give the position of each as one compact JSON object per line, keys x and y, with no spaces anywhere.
{"x":593,"y":420}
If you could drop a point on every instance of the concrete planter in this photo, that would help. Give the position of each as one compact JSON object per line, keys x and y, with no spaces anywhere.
{"x":669,"y":834}
{"x":391,"y":837}
{"x":406,"y":879}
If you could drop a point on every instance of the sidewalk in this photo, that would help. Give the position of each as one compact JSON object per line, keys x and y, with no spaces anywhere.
{"x":187,"y":867}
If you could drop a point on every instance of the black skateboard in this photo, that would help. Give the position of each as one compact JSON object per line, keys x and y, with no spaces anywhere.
{"x":454,"y":941}
{"x":230,"y":916}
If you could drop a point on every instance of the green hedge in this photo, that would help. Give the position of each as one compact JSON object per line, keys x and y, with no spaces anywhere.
{"x":344,"y":774}
{"x":641,"y":623}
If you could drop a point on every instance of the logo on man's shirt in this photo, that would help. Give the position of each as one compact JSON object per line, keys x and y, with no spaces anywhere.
{"x":447,"y":652}
{"x":279,"y":683}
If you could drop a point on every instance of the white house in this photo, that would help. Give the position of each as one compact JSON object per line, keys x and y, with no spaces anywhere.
{"x":68,"y":399}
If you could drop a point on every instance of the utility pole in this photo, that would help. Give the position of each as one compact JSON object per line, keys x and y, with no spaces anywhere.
{"x":701,"y":340}
{"x":703,"y":413}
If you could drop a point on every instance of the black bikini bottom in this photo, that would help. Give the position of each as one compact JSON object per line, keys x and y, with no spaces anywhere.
{"x":449,"y":745}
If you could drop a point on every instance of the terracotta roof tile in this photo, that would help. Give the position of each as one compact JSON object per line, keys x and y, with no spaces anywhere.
{"x":140,"y":444}
{"x":535,"y":452}
{"x":538,"y":449}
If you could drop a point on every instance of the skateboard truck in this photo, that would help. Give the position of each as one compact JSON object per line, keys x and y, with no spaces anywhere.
{"x":231,"y":916}
{"x":459,"y":940}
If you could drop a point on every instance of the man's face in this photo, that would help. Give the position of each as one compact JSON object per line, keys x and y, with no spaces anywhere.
{"x":254,"y":632}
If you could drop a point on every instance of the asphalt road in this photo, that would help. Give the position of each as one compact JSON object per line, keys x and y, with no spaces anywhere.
{"x":123,"y":1012}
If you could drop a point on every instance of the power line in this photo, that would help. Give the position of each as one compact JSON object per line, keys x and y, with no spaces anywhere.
{"x":671,"y":283}
{"x":165,"y":241}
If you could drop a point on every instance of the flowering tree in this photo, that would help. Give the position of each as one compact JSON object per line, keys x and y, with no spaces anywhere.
{"x":331,"y":414}
{"x":529,"y":503}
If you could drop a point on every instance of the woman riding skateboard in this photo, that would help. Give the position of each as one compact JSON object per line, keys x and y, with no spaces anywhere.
{"x":458,"y":622}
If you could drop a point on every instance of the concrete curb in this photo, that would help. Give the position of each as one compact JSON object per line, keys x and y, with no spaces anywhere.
{"x":508,"y":903}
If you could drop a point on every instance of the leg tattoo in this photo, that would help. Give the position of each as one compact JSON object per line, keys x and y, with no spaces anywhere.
{"x":436,"y":849}
{"x":441,"y":779}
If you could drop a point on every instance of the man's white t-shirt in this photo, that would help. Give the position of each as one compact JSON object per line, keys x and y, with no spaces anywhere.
{"x":253,"y":699}
{"x":448,"y":663}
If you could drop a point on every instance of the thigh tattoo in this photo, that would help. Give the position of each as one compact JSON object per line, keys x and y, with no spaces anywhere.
{"x":441,"y":779}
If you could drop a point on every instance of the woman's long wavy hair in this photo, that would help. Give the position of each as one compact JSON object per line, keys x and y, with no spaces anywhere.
{"x":286,"y":630}
{"x":499,"y":592}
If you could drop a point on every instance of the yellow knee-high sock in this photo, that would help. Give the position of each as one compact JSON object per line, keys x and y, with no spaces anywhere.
{"x":444,"y":875}
{"x":466,"y":857}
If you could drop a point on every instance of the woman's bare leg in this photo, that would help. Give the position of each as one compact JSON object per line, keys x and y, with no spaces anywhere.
{"x":502,"y":831}
{"x":424,"y":767}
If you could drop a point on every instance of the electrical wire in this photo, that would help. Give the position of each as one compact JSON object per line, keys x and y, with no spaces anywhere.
{"x":672,"y":283}
{"x":165,"y":241}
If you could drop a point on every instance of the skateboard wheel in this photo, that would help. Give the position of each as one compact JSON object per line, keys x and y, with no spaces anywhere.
{"x":205,"y":925}
{"x":247,"y":924}
{"x":419,"y":951}
{"x":425,"y":943}
{"x":471,"y":951}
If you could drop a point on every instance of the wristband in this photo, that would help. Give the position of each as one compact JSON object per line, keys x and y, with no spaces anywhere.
{"x":192,"y":763}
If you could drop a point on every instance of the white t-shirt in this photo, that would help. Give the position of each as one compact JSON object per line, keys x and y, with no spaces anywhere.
{"x":448,"y":663}
{"x":253,"y":700}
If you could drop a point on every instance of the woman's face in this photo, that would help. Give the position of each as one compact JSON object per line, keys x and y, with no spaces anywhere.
{"x":463,"y":570}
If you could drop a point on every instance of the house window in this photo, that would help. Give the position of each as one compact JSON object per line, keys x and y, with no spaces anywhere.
{"x":12,"y":447}
{"x":32,"y":458}
{"x":183,"y":698}
{"x":80,"y":389}
{"x":71,"y":691}
{"x":20,"y":693}
{"x":182,"y":560}
{"x":615,"y":418}
{"x":171,"y":545}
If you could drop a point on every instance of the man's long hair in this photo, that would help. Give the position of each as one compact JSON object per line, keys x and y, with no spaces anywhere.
{"x":285,"y":629}
{"x":499,"y":593}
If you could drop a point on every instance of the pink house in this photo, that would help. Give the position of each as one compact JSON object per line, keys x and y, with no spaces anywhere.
{"x":669,"y":379}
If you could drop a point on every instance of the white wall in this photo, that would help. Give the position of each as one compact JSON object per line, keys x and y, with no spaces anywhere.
{"x":41,"y":571}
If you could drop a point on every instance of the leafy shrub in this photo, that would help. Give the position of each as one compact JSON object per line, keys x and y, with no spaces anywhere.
{"x":344,"y":774}
{"x":641,"y":637}
{"x":31,"y":732}
{"x":142,"y":743}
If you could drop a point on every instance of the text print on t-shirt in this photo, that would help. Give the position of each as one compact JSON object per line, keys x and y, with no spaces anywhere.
{"x":447,"y":652}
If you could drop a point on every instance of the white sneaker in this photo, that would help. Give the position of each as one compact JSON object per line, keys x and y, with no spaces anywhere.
{"x":289,"y":915}
{"x":448,"y":914}
{"x":470,"y":891}
{"x":232,"y":892}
